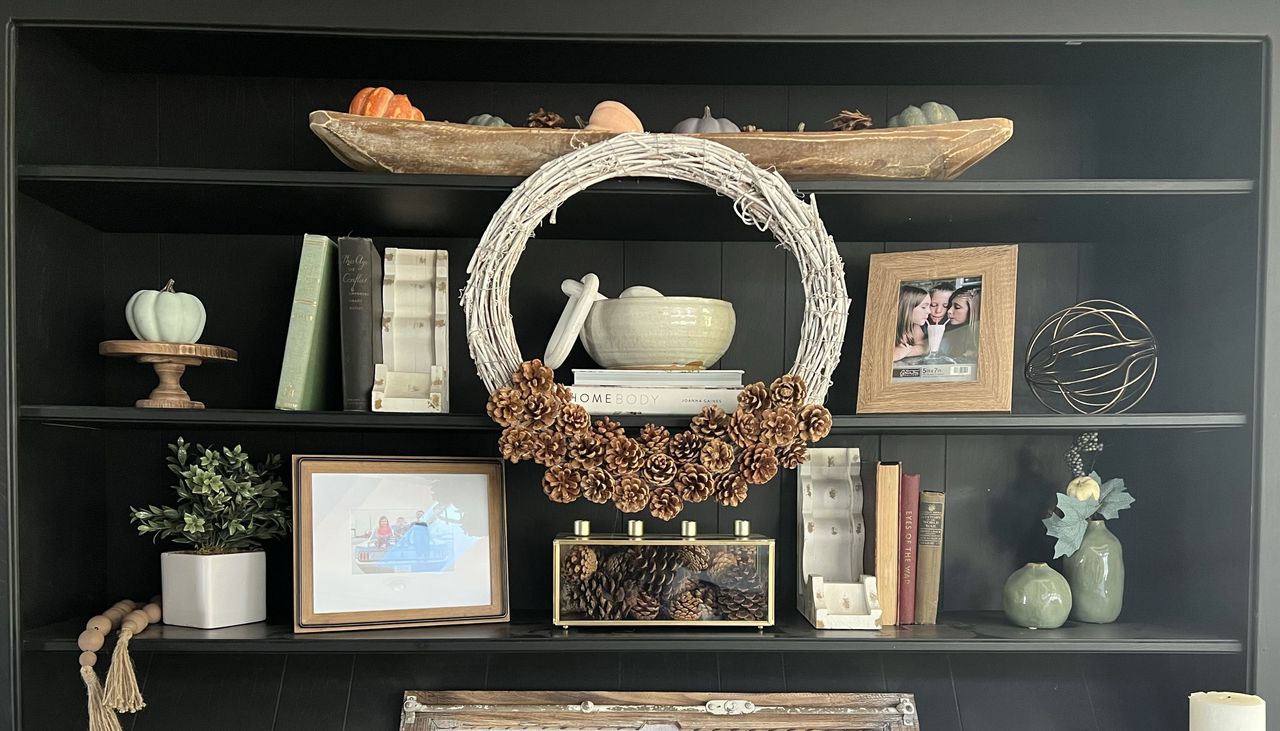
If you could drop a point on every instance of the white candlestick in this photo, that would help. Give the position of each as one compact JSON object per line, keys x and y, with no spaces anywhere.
{"x":1218,"y":711}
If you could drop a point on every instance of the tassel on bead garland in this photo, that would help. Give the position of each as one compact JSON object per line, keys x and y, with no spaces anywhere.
{"x":101,"y":718}
{"x":122,"y":693}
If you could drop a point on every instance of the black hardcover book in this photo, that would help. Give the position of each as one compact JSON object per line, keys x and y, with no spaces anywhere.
{"x":360,"y":288}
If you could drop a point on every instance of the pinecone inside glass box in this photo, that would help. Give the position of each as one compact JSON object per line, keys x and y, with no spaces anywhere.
{"x":630,"y":580}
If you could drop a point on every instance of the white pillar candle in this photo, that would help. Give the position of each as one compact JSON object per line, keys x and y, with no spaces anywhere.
{"x":1218,"y":711}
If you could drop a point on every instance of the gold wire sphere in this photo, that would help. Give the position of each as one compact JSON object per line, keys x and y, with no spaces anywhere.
{"x":1094,"y":357}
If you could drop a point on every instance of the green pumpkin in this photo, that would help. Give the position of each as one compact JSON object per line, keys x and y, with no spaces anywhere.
{"x":165,"y":315}
{"x":1037,"y":597}
{"x":927,"y":113}
{"x":488,"y":120}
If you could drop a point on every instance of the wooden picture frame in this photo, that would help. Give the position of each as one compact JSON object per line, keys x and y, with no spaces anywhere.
{"x":949,"y":366}
{"x":383,"y":542}
{"x":609,"y":711}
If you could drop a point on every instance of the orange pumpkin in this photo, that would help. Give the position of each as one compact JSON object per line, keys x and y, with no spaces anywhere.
{"x":383,"y":102}
{"x":614,"y":117}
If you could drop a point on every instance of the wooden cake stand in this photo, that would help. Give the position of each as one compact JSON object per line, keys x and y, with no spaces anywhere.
{"x":170,"y":360}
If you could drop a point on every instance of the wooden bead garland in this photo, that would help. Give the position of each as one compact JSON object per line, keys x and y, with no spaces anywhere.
{"x":121,"y":693}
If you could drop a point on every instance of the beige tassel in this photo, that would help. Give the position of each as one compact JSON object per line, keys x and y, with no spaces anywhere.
{"x":101,"y":718}
{"x":122,"y":693}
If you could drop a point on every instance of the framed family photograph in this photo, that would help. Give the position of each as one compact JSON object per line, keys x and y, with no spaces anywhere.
{"x":938,"y":334}
{"x":397,"y":542}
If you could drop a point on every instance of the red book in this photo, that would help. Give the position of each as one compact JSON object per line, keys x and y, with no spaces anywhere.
{"x":909,"y":525}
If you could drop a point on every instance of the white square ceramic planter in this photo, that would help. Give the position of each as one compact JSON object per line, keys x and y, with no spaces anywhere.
{"x":213,"y":591}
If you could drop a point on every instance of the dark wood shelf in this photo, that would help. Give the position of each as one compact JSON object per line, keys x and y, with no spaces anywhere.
{"x":206,"y":200}
{"x":128,"y":417}
{"x":957,"y":632}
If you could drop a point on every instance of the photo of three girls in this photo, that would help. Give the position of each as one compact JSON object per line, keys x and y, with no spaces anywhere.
{"x":936,"y":337}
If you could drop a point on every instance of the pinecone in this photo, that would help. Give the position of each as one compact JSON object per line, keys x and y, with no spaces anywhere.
{"x":579,"y":564}
{"x":744,"y":554}
{"x":562,"y":484}
{"x":608,"y":428}
{"x":543,"y":118}
{"x":597,"y":485}
{"x":655,"y":438}
{"x":687,"y":607}
{"x":754,"y":397}
{"x":815,"y":422}
{"x":738,"y":576}
{"x":533,"y":377}
{"x":720,"y":563}
{"x":603,"y":597}
{"x":573,"y":419}
{"x":630,"y":494}
{"x":616,"y":564}
{"x":778,"y":426}
{"x":640,"y":605}
{"x":694,"y":558}
{"x":793,"y":455}
{"x":716,"y":455}
{"x":562,"y":393}
{"x":744,"y":428}
{"x":541,"y":410}
{"x":506,"y":406}
{"x":847,"y":121}
{"x":758,"y":464}
{"x":665,"y":503}
{"x":685,"y":447}
{"x":659,"y":469}
{"x":572,"y":596}
{"x":710,"y":422}
{"x":623,"y":455}
{"x":548,"y":449}
{"x":517,"y":443}
{"x":653,"y":568}
{"x":585,"y":451}
{"x":742,"y":605}
{"x":788,"y":390}
{"x":695,"y":483}
{"x":731,"y":489}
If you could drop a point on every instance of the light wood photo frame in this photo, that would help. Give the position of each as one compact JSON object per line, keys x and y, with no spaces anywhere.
{"x":426,"y":710}
{"x":945,"y":365}
{"x":385,"y":542}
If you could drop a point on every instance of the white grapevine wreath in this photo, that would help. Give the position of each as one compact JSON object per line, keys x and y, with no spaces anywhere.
{"x":721,"y":454}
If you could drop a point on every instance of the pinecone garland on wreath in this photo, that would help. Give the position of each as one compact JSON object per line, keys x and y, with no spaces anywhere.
{"x":685,"y":447}
{"x":597,"y":485}
{"x":573,"y":419}
{"x":623,"y":455}
{"x":665,"y":503}
{"x":543,"y":118}
{"x":738,"y":605}
{"x":711,"y":422}
{"x":758,"y":464}
{"x":506,"y":407}
{"x":533,"y":377}
{"x":561,"y":484}
{"x":608,"y":428}
{"x":655,"y":438}
{"x":815,"y":422}
{"x":754,"y":397}
{"x":788,"y":391}
{"x":695,"y":483}
{"x":744,"y":428}
{"x":585,"y":451}
{"x":659,"y":469}
{"x":716,"y":455}
{"x":631,"y":495}
{"x":541,"y":410}
{"x":517,"y":444}
{"x":579,"y":564}
{"x":548,"y":449}
{"x":793,"y":455}
{"x":731,"y":489}
{"x":778,"y":427}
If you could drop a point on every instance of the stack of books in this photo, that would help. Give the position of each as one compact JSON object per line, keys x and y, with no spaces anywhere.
{"x":382,"y":319}
{"x":908,"y":525}
{"x":682,"y":393}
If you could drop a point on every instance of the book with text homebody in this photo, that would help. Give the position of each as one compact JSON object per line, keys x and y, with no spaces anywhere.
{"x":304,"y":370}
{"x":615,"y":400}
{"x":657,"y":379}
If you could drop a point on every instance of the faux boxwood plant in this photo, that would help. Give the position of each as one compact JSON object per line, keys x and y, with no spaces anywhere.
{"x":226,"y":503}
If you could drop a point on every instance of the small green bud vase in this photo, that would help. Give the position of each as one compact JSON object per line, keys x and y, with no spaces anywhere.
{"x":1037,"y":597}
{"x":1096,"y":575}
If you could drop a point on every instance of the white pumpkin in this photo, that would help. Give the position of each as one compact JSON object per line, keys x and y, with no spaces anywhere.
{"x":165,"y":315}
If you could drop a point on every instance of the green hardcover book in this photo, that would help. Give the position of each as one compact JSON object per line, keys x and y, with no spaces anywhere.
{"x":304,"y":374}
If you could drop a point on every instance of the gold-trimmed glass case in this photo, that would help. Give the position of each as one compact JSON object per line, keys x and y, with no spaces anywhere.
{"x":615,"y":580}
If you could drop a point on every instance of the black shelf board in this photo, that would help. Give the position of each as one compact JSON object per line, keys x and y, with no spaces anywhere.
{"x":209,"y":201}
{"x":128,"y":417}
{"x":956,"y":632}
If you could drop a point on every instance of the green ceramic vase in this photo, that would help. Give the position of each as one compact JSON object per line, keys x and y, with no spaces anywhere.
{"x":1096,"y":575}
{"x":1037,"y":597}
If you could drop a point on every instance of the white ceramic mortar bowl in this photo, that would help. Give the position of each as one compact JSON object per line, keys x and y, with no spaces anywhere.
{"x":658,"y":332}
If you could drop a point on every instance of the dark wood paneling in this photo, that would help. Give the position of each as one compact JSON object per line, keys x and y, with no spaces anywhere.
{"x":220,"y":691}
{"x":928,"y":677}
{"x":378,"y":683}
{"x":1015,"y":692}
{"x":315,"y":693}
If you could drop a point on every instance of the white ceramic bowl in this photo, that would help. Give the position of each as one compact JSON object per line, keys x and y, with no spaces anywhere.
{"x":658,"y":332}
